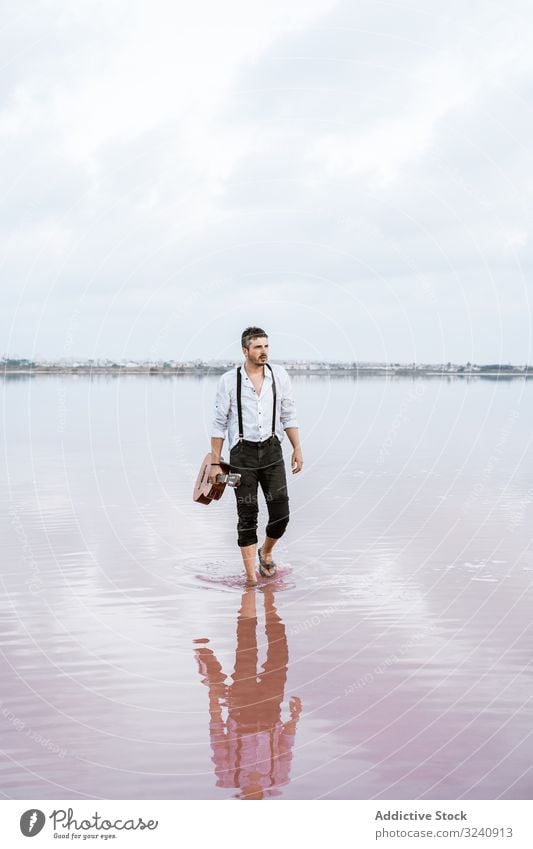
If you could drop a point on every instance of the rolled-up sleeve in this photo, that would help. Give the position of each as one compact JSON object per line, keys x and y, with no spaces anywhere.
{"x":288,"y":406}
{"x":221,"y":409}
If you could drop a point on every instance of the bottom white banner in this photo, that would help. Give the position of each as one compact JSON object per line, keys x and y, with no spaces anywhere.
{"x":357,"y":823}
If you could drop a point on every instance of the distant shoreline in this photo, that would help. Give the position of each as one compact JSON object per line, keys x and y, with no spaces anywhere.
{"x":335,"y":371}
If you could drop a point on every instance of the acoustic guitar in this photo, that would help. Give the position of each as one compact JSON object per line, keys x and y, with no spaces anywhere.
{"x":206,"y":492}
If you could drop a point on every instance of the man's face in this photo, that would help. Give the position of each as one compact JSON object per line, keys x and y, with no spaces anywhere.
{"x":257,"y":353}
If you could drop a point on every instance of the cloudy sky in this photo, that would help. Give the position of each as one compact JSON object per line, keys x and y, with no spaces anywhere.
{"x":355,"y":177}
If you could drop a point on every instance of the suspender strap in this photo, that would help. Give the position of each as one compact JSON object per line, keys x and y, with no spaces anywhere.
{"x":239,"y":403}
{"x":239,"y":406}
{"x":273,"y":401}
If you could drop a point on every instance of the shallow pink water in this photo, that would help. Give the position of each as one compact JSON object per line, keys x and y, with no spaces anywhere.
{"x":390,"y":658}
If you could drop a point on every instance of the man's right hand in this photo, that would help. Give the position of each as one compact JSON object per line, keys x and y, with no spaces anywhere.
{"x":216,"y":469}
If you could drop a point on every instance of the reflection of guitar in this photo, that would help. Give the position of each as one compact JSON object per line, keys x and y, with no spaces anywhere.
{"x":206,"y":492}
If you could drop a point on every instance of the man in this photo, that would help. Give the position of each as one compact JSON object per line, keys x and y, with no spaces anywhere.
{"x":245,"y":406}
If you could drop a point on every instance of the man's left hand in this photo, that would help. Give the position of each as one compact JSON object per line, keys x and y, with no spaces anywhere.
{"x":297,"y":461}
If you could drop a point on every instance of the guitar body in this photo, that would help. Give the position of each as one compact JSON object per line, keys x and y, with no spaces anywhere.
{"x":206,"y":492}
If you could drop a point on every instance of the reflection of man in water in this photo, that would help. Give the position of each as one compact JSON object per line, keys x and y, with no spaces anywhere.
{"x":252,"y":750}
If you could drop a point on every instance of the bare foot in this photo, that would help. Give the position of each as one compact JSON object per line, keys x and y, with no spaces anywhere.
{"x":267,"y":567}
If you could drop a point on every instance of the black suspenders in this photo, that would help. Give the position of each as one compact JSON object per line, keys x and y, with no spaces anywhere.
{"x":273,"y":401}
{"x":239,"y":405}
{"x":239,"y":408}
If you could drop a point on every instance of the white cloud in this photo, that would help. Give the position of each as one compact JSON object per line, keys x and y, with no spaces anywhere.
{"x":149,"y":149}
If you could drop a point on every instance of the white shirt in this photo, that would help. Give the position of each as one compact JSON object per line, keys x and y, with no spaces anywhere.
{"x":256,"y":409}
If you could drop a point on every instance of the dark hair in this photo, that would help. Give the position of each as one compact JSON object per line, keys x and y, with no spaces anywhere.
{"x":251,"y":333}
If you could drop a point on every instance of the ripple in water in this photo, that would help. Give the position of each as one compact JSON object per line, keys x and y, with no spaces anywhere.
{"x":223,"y":574}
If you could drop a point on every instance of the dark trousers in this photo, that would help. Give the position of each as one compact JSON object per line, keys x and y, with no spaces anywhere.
{"x":260,"y":463}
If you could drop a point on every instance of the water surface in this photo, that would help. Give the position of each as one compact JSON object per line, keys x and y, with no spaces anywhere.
{"x":390,"y":658}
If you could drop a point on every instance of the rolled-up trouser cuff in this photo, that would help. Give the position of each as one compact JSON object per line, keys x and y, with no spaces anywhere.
{"x":278,"y":518}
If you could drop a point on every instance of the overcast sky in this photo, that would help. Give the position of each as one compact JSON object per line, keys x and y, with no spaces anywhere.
{"x":355,"y":177}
